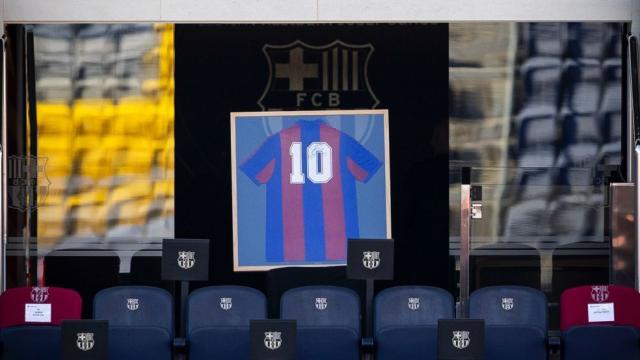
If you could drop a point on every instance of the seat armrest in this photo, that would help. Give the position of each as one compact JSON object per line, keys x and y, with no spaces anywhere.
{"x":554,"y":343}
{"x":180,"y":344}
{"x":367,"y":344}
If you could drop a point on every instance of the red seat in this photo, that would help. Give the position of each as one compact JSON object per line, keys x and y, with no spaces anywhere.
{"x":615,"y":335}
{"x":66,"y":304}
{"x":575,"y":301}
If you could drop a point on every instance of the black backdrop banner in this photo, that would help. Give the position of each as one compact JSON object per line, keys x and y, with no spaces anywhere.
{"x":230,"y":68}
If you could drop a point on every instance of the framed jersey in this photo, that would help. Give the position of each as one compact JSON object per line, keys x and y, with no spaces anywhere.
{"x":304,"y":182}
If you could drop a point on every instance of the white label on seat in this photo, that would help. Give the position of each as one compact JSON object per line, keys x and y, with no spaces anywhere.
{"x":601,"y":312}
{"x":37,"y":313}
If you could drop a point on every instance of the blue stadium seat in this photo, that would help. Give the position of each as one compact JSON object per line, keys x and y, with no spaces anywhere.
{"x":579,"y":128}
{"x":140,"y":321}
{"x":542,"y":77}
{"x":582,"y":342}
{"x":515,"y":320}
{"x":218,"y":320}
{"x":587,"y":39}
{"x":545,"y":39}
{"x":406,"y":321}
{"x":537,"y":127}
{"x":30,"y":343}
{"x":582,"y":78}
{"x":328,"y":321}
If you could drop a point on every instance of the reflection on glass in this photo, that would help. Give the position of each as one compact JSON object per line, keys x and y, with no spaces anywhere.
{"x":535,"y":109}
{"x":105,"y":125}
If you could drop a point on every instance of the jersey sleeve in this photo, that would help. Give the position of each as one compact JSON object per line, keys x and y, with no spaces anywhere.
{"x":260,"y":165}
{"x":362,"y":164}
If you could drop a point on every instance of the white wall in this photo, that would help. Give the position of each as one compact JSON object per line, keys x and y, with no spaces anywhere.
{"x":31,"y":11}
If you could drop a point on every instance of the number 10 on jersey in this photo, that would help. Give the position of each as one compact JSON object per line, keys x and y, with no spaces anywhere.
{"x":319,"y":163}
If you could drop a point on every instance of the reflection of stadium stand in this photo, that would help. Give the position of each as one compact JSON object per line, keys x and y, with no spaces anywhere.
{"x":104,"y":134}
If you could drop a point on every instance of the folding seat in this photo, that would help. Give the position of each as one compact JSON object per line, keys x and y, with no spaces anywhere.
{"x":328,"y":321}
{"x":542,"y":77}
{"x":579,"y":128}
{"x":586,"y":39}
{"x":585,"y":338}
{"x":545,"y":39}
{"x":406,"y":321}
{"x":217,"y":321}
{"x":537,"y":127}
{"x":140,"y":321}
{"x":29,"y":340}
{"x":515,"y":321}
{"x":582,"y":78}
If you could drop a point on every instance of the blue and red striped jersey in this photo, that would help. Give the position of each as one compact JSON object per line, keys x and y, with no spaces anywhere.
{"x":310,"y":170}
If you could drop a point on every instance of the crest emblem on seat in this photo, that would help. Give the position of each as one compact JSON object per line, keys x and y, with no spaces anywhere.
{"x":133,"y":304}
{"x":321,"y":303}
{"x":85,"y":341}
{"x":600,"y":293}
{"x":226,"y":303}
{"x":507,"y":303}
{"x":272,"y":340}
{"x":39,"y":294}
{"x":371,"y":259}
{"x":414,"y":303}
{"x":186,"y":259}
{"x":461,"y":339}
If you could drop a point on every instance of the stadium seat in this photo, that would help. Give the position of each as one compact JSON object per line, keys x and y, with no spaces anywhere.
{"x":515,"y":321}
{"x":328,"y":321}
{"x":24,"y":340}
{"x":617,"y":339}
{"x":140,"y":321}
{"x":586,"y":39}
{"x":406,"y":321}
{"x":218,"y":320}
{"x":545,"y":39}
{"x":582,"y":77}
{"x":542,"y":77}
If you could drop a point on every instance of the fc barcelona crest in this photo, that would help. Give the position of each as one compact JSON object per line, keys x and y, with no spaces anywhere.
{"x":132,"y":304}
{"x":461,"y":339}
{"x":186,"y":259}
{"x":27,"y":182}
{"x":39,"y":294}
{"x":85,"y":341}
{"x":308,"y":77}
{"x":273,"y":340}
{"x":321,"y":303}
{"x":414,"y":303}
{"x":600,"y":293}
{"x":371,"y":259}
{"x":507,"y":303}
{"x":226,"y":303}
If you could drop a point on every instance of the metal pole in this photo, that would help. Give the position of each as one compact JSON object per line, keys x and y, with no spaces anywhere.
{"x":465,"y":238}
{"x":3,"y":173}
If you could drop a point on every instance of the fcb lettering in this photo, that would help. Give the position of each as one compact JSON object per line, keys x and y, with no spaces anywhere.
{"x":310,"y":171}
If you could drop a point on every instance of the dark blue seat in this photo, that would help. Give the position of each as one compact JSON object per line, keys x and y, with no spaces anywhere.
{"x":47,"y":341}
{"x":515,"y":320}
{"x":218,"y":320}
{"x":588,"y":342}
{"x":328,"y":321}
{"x":406,"y":321}
{"x":140,"y":321}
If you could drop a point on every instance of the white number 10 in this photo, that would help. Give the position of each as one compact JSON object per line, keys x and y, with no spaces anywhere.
{"x":319,"y":172}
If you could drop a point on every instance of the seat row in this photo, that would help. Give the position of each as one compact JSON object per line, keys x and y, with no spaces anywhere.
{"x":141,"y":322}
